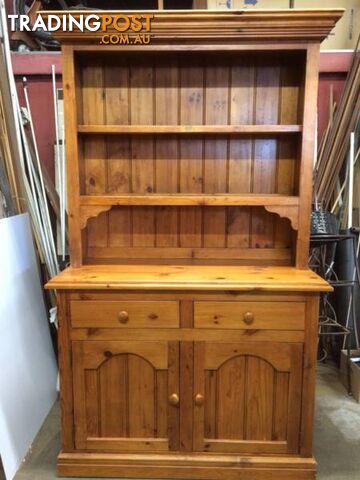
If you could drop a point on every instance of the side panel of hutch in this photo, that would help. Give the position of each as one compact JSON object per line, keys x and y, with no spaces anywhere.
{"x":188,"y":317}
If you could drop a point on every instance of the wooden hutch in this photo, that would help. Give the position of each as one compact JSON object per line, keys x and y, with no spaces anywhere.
{"x":188,"y":317}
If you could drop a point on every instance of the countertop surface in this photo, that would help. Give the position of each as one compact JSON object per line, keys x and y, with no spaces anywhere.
{"x":188,"y":277}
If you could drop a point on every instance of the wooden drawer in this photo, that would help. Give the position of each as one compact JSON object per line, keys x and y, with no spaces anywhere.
{"x":250,"y":315}
{"x":124,"y":314}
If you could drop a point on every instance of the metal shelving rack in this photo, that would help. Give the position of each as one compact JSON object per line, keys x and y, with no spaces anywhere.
{"x":322,"y":259}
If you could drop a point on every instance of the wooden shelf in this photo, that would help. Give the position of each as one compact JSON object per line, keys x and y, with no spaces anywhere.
{"x":171,"y":277}
{"x":191,"y":200}
{"x":189,"y":129}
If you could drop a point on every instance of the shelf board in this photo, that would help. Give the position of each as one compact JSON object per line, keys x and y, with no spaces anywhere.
{"x":190,"y":200}
{"x":175,"y":277}
{"x":189,"y":129}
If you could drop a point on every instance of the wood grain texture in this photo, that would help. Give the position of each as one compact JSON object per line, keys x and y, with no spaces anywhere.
{"x":259,"y":395}
{"x":199,"y":422}
{"x":189,"y":335}
{"x":117,"y":110}
{"x":294,"y":407}
{"x":309,"y":379}
{"x":142,"y":394}
{"x":95,"y":166}
{"x":116,"y":467}
{"x":72,"y":97}
{"x":166,"y":153}
{"x":213,"y":129}
{"x":173,"y":417}
{"x":265,"y":150}
{"x":265,"y":315}
{"x":307,"y":153}
{"x":281,"y":405}
{"x":93,"y":420}
{"x":153,"y":295}
{"x":269,"y":199}
{"x":66,"y":374}
{"x":242,"y":82}
{"x":104,"y":314}
{"x":189,"y":256}
{"x":215,"y":163}
{"x":186,"y":403}
{"x":142,"y":111}
{"x":167,"y":277}
{"x":113,"y":386}
{"x":230,"y":392}
{"x":191,"y":153}
{"x":232,"y":26}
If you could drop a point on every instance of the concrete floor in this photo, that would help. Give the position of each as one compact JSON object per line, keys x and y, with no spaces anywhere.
{"x":337,"y":435}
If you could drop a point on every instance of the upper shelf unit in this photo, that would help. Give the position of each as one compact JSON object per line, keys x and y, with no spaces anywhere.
{"x":190,"y":129}
{"x":193,"y":146}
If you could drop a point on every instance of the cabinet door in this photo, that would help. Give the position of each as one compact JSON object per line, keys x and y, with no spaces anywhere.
{"x":247,"y":397}
{"x":126,"y":395}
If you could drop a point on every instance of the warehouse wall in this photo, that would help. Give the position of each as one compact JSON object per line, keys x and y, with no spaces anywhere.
{"x":343,"y":36}
{"x":333,"y":70}
{"x":36,"y":67}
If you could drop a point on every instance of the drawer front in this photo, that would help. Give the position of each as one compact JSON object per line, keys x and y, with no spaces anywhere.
{"x":124,"y":314}
{"x":250,"y":315}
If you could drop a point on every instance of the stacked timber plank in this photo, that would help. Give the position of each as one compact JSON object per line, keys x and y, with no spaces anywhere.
{"x":333,"y":153}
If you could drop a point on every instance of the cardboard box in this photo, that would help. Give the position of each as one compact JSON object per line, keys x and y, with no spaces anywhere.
{"x":344,"y":35}
{"x":240,"y":4}
{"x":354,"y":372}
{"x":346,"y":31}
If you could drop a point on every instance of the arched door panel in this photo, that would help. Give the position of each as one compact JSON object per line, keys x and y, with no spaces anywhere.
{"x":121,"y":395}
{"x":242,"y":395}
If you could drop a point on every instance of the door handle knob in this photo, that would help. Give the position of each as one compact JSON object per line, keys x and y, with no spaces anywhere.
{"x":123,"y":317}
{"x":199,"y":400}
{"x":248,"y":318}
{"x":174,"y":399}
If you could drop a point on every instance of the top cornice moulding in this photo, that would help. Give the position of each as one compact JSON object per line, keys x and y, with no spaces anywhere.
{"x":209,"y":26}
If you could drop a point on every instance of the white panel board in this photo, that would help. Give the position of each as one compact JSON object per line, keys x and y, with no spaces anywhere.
{"x":28,"y":370}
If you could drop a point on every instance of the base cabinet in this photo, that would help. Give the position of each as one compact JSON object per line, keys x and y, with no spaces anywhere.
{"x":184,"y":394}
{"x":127,"y":396}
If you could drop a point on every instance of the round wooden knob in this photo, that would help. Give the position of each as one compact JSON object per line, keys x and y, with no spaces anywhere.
{"x":199,"y":400}
{"x":123,"y":317}
{"x":174,"y":399}
{"x":248,"y":318}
